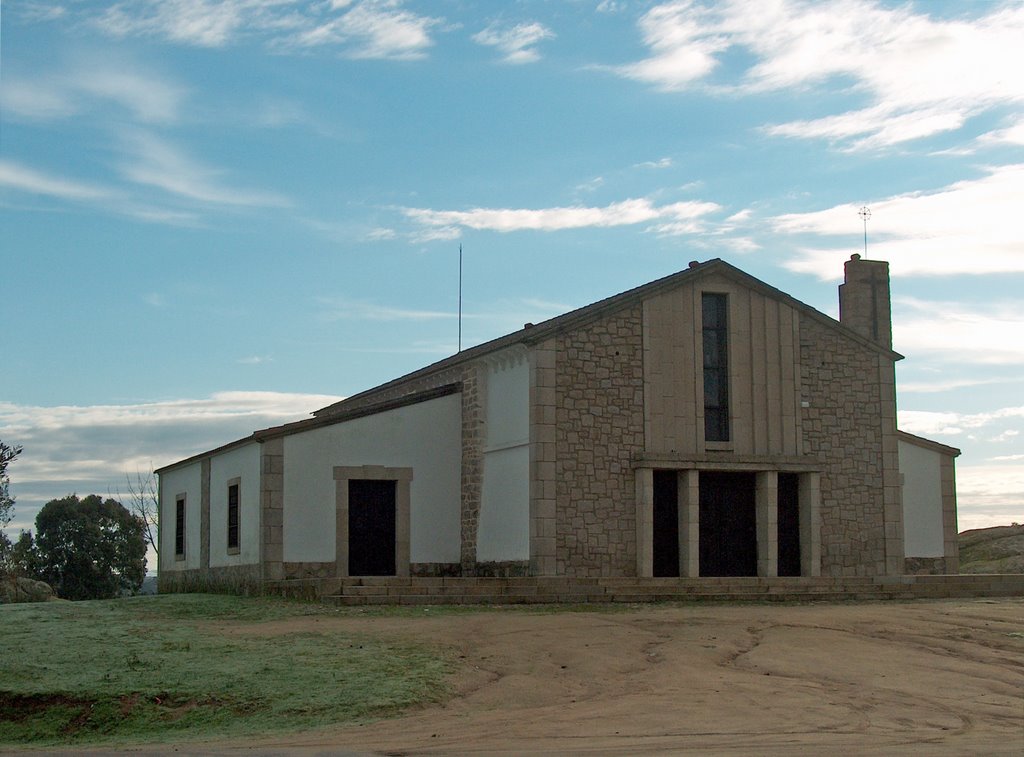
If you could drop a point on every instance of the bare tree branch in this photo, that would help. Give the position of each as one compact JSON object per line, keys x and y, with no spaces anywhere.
{"x":143,"y":501}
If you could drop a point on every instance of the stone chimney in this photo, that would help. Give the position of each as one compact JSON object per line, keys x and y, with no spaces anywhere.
{"x":864,"y":299}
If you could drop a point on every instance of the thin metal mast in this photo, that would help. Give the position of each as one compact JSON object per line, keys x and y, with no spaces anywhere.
{"x":460,"y":297}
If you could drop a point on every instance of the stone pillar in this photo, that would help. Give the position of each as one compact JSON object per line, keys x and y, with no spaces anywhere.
{"x":951,"y":543}
{"x":204,"y":515}
{"x":689,"y":523}
{"x":892,"y":487}
{"x":272,"y":509}
{"x":810,"y":524}
{"x":542,"y":460}
{"x":644,"y":478}
{"x":473,"y":436}
{"x":767,"y":509}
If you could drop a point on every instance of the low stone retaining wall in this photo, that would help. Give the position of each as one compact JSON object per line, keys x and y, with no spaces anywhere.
{"x":450,"y":590}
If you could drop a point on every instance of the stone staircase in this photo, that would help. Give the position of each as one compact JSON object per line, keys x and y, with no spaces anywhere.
{"x":561,"y":589}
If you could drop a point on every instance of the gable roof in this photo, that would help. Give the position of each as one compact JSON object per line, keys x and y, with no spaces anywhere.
{"x":920,"y":441}
{"x":533,"y":334}
{"x":366,"y":402}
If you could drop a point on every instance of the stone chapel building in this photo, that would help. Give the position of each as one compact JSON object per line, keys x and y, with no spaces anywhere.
{"x":705,"y":424}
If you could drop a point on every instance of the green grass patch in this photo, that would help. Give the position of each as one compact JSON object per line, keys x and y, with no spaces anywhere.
{"x":194,"y":666}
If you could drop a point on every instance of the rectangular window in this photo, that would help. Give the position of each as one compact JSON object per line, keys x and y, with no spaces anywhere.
{"x":233,"y":517}
{"x":179,"y":527}
{"x":716,"y":367}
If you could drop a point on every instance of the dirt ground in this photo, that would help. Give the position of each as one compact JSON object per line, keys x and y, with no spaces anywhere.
{"x":926,"y":677}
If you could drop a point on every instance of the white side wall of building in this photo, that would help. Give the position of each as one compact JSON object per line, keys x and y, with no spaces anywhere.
{"x":426,"y":437}
{"x":920,"y":469}
{"x":187,"y":480}
{"x":240,"y":463}
{"x":504,"y":526}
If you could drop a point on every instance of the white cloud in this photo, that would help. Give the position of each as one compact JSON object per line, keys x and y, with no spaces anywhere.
{"x":155,"y":162}
{"x":516,"y":42}
{"x":367,"y":29}
{"x":336,"y":309}
{"x":1011,"y":135}
{"x":205,"y":23}
{"x":989,"y":495}
{"x":89,"y":449}
{"x":969,"y":227}
{"x":255,"y":360}
{"x":926,"y":422}
{"x":22,"y":178}
{"x":660,"y":163}
{"x":681,"y":215}
{"x":920,"y":75}
{"x":91,"y":81}
{"x":945,"y":385}
{"x":960,"y":333}
{"x":376,"y":28}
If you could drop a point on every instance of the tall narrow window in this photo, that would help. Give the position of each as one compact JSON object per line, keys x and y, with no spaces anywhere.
{"x":716,"y":367}
{"x":179,"y":527}
{"x":233,"y":518}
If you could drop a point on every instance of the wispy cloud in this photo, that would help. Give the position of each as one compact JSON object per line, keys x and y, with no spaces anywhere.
{"x":89,"y":449}
{"x":90,"y":82}
{"x":22,"y":178}
{"x":156,"y":162}
{"x":337,"y":309}
{"x":990,"y":495}
{"x":255,"y":360}
{"x":974,"y":333}
{"x":660,"y":163}
{"x":969,"y":227}
{"x":516,"y":43}
{"x":926,"y":422}
{"x":945,"y":385}
{"x":921,"y":75}
{"x":679,"y":217}
{"x":370,"y":29}
{"x":204,"y":23}
{"x":381,"y":29}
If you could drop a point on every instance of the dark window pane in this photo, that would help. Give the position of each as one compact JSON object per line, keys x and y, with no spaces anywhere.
{"x":711,"y":355}
{"x":179,"y":527}
{"x":716,"y":366}
{"x":233,"y":516}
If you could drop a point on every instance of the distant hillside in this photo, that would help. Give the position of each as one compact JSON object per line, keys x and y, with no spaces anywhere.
{"x":992,"y":550}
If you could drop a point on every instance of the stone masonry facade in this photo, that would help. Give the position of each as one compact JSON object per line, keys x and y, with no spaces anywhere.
{"x":599,"y":431}
{"x":842,"y":428}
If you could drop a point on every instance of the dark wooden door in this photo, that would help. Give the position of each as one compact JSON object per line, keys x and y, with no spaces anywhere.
{"x":728,"y":524}
{"x":666,"y":523}
{"x":371,"y":528}
{"x":789,"y":524}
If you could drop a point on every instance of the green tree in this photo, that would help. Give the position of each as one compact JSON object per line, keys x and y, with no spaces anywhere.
{"x":7,"y":455}
{"x":88,"y":548}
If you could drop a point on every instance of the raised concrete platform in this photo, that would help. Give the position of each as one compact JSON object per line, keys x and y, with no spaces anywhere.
{"x":559,"y":589}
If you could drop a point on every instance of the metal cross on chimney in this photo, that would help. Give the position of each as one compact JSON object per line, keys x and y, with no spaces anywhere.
{"x":865,"y":214}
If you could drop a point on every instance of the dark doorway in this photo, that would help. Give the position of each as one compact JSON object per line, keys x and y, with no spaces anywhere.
{"x":371,"y":528}
{"x":666,"y":523}
{"x":789,"y":524}
{"x":728,"y":524}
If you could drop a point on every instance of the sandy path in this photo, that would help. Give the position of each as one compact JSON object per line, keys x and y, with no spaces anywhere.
{"x":942,"y":677}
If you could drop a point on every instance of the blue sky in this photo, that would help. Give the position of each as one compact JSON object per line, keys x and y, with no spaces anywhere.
{"x":218,"y":216}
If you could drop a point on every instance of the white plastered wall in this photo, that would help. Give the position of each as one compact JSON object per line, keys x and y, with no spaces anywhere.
{"x":504,"y":527}
{"x":920,"y":470}
{"x":426,"y":437}
{"x":240,"y":463}
{"x":187,"y":480}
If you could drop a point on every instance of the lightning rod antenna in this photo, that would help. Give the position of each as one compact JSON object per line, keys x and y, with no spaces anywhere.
{"x":460,"y":297}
